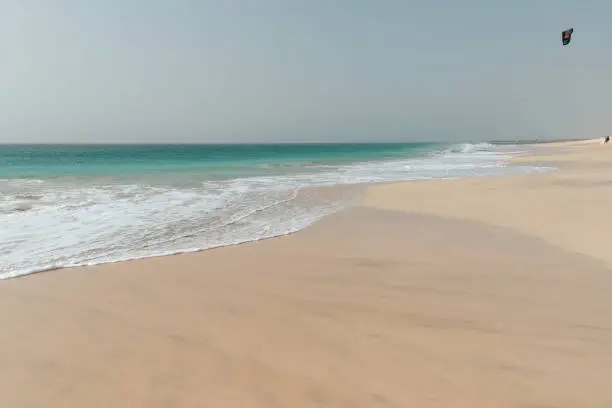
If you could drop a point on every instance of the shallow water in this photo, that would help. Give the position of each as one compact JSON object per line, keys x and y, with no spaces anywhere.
{"x":81,"y":205}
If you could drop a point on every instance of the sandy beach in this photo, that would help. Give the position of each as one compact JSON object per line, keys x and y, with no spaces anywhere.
{"x":492,"y":292}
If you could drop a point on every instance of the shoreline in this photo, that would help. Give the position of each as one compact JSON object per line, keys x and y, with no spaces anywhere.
{"x":347,"y":203}
{"x":357,"y":190}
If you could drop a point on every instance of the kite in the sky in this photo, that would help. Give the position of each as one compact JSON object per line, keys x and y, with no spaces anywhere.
{"x":566,"y":36}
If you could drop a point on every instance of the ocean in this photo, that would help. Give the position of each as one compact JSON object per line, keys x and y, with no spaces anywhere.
{"x":71,"y":205}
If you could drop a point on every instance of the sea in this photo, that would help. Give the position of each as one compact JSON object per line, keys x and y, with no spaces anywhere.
{"x":74,"y":205}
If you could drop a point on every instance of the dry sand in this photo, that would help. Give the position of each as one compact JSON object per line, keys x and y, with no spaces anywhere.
{"x":490,"y":293}
{"x":569,"y":208}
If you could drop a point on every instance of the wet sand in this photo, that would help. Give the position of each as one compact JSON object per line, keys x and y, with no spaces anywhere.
{"x":461,"y":293}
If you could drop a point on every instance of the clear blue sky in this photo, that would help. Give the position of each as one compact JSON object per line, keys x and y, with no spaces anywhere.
{"x":310,"y":70}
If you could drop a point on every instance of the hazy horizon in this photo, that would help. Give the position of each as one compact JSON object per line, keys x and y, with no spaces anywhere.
{"x":135,"y":71}
{"x":197,"y":143}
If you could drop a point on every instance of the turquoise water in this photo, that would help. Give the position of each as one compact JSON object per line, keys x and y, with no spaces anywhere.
{"x":218,"y":161}
{"x":64,"y":205}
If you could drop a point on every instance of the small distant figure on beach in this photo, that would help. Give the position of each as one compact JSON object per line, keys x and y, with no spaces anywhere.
{"x":606,"y":139}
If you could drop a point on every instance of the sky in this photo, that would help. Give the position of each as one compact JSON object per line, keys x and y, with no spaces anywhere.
{"x":151,"y":71}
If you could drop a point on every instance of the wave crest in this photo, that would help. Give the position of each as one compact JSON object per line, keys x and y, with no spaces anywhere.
{"x":471,"y":148}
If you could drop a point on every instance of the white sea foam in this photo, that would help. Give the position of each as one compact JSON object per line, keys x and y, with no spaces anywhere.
{"x":470,"y":147}
{"x":49,"y":224}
